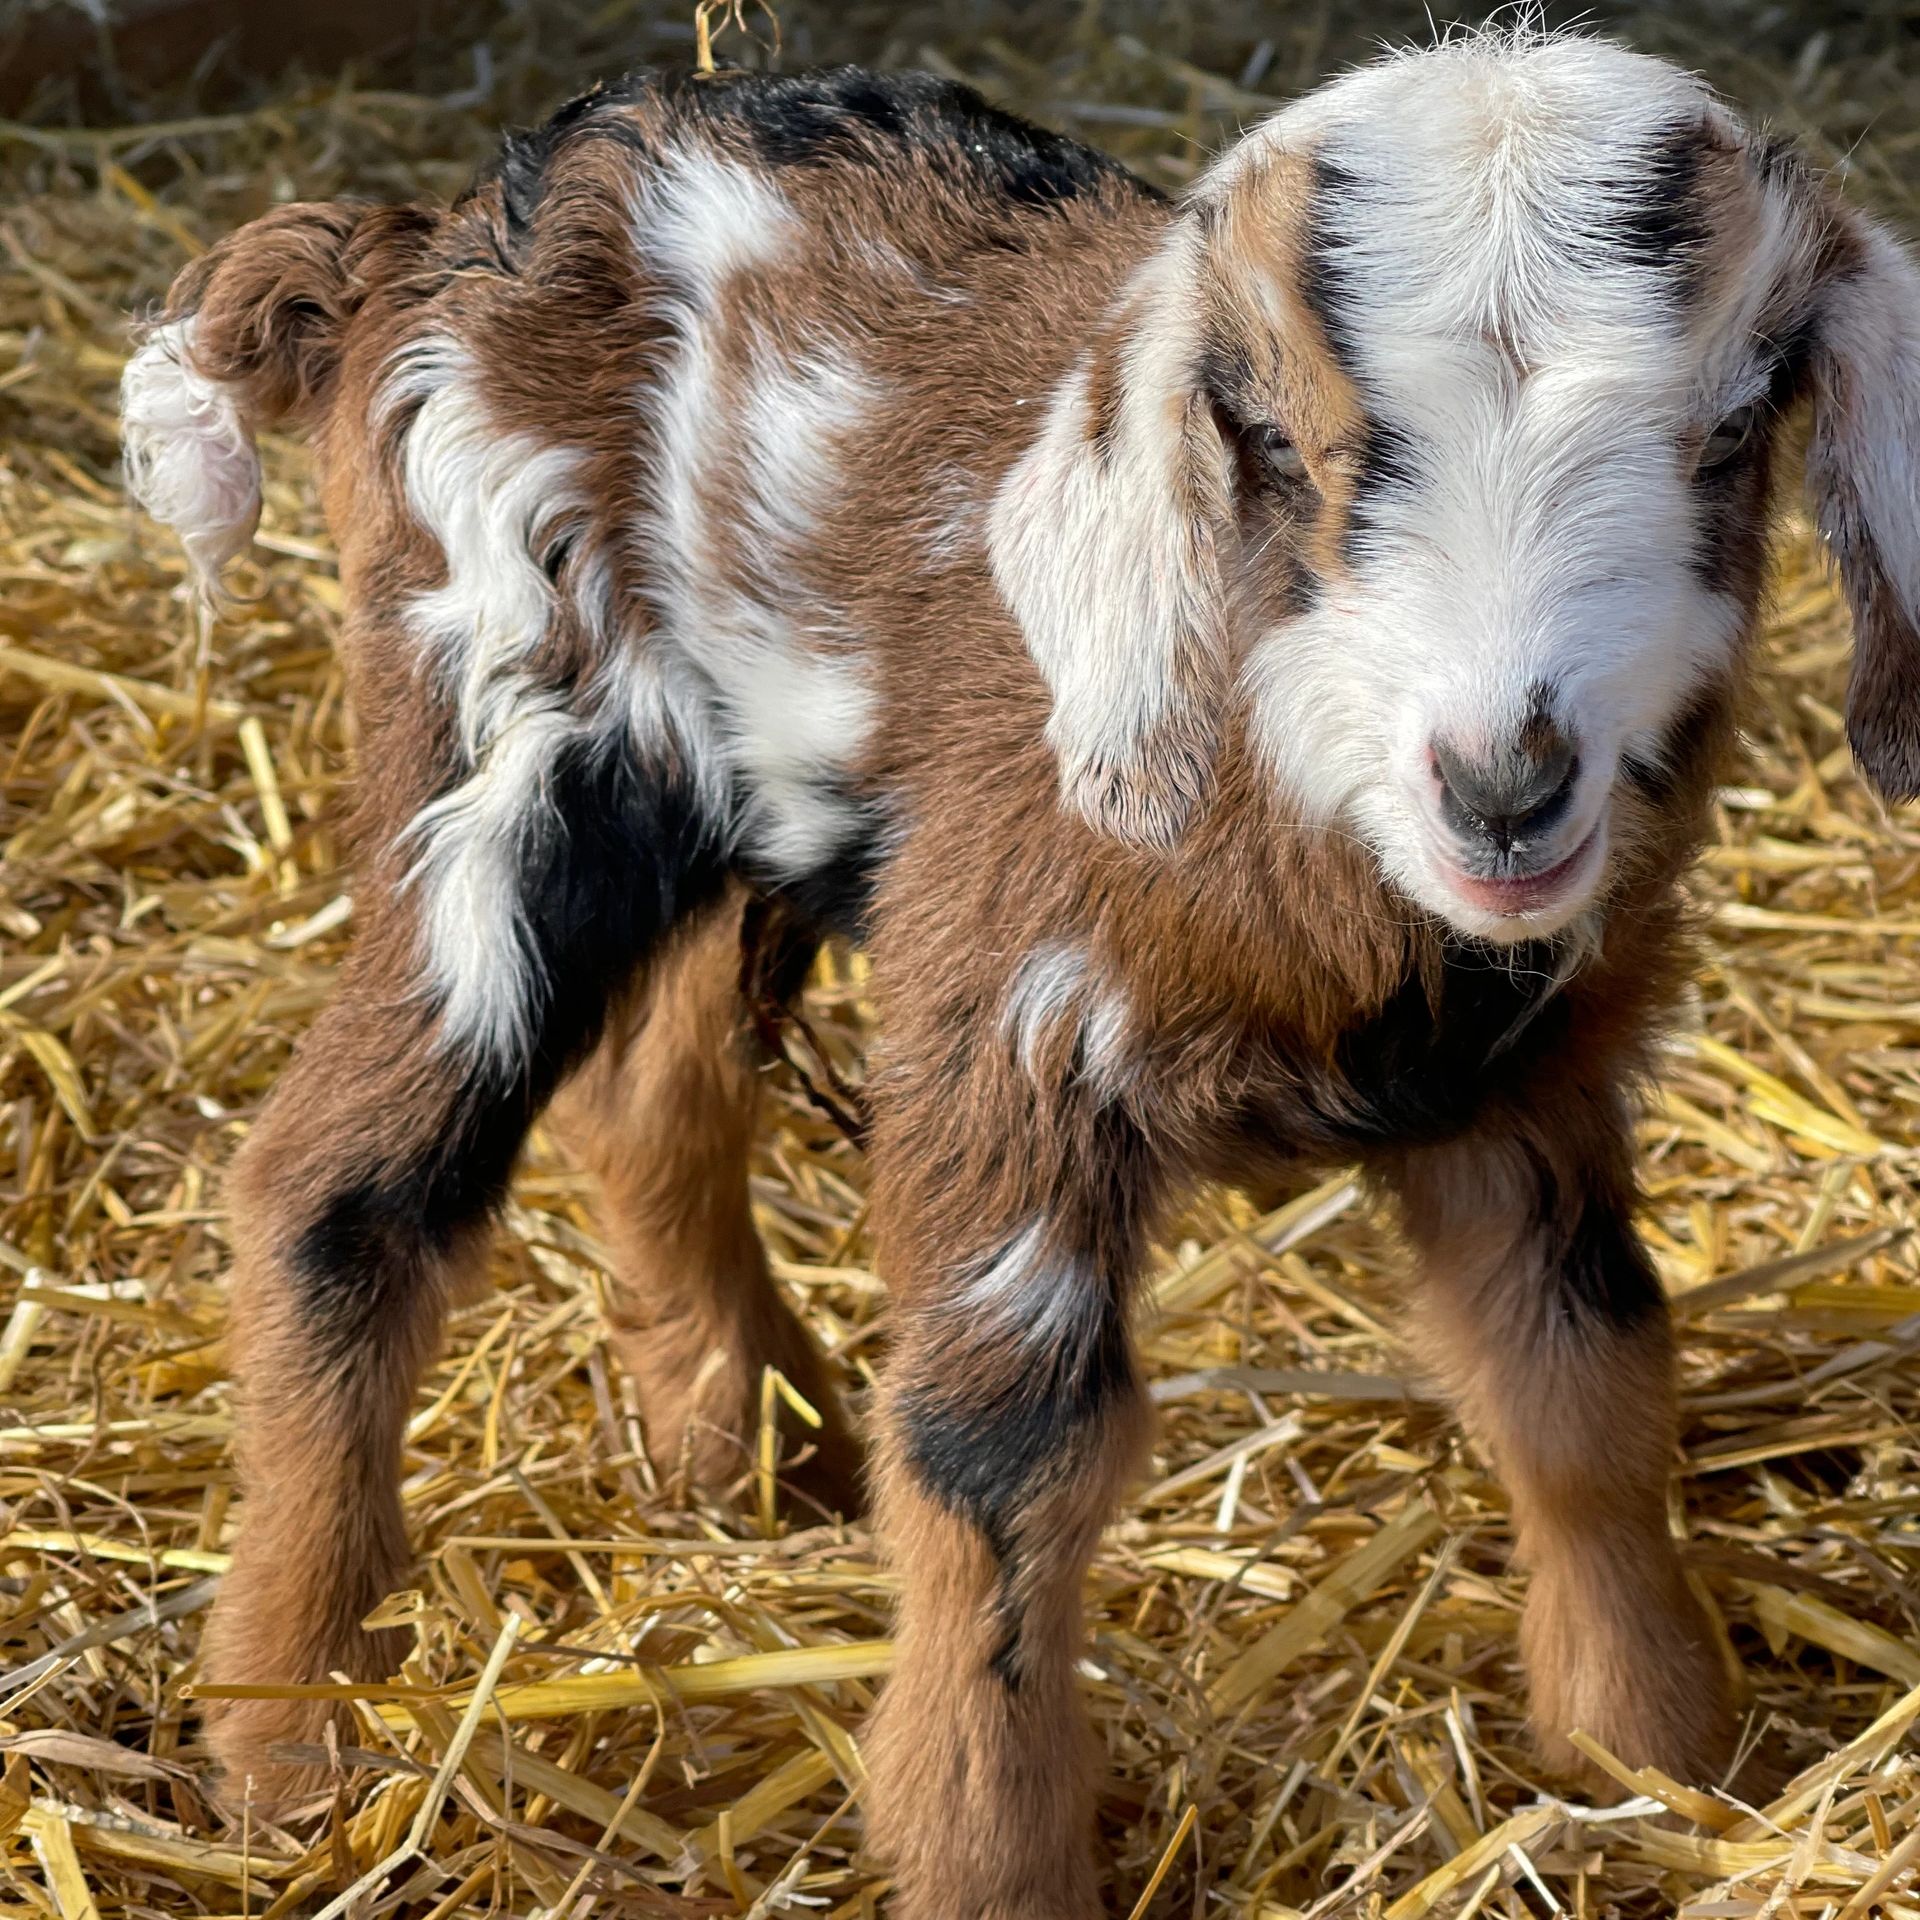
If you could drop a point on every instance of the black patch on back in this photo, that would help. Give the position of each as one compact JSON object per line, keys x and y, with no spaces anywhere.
{"x":846,"y":116}
{"x":525,"y":157}
{"x":850,"y":115}
{"x":616,"y":856}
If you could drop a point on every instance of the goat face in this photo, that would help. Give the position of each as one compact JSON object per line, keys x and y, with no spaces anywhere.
{"x":1435,"y":435}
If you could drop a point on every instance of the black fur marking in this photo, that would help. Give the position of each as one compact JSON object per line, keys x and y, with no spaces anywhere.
{"x":375,"y":1241}
{"x":1729,"y":548}
{"x":1006,"y":1665}
{"x":981,"y":1456}
{"x":1662,"y":221}
{"x":1386,"y":464}
{"x":1775,"y":158}
{"x":616,"y":856}
{"x":1326,"y":280}
{"x":619,"y":855}
{"x":988,"y":1438}
{"x":1226,"y":375}
{"x":1690,"y":735}
{"x":1596,"y":1262}
{"x":525,"y":156}
{"x":837,"y":896}
{"x":1387,"y":459}
{"x":835,"y":116}
{"x":850,"y":115}
{"x":1421,"y":1069}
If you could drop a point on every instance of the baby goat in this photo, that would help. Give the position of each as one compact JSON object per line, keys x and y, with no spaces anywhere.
{"x":1252,"y":669}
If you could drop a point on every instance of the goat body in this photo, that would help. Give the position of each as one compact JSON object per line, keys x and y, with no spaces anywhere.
{"x":1254,"y":686}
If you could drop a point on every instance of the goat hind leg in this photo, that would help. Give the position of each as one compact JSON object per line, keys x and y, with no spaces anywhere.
{"x":359,"y":1206}
{"x":663,"y":1113}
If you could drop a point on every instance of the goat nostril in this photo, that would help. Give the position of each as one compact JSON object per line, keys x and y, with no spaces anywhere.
{"x":1514,"y":796}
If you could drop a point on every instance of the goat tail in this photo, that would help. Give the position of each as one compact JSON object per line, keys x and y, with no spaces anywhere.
{"x":251,"y":335}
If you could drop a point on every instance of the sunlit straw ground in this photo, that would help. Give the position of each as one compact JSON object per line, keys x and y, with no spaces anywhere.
{"x":1302,"y":1662}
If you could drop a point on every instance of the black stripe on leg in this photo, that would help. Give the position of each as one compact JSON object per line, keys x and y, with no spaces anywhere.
{"x":983,"y":1455}
{"x":1039,"y":1416}
{"x":1600,"y":1273}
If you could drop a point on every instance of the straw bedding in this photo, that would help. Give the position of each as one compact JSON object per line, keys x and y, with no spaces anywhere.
{"x":1302,"y":1662}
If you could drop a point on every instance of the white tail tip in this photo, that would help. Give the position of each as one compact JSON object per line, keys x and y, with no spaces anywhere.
{"x":190,"y":459}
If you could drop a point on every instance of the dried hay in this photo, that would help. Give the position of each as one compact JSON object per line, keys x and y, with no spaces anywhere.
{"x":1302,"y":1664}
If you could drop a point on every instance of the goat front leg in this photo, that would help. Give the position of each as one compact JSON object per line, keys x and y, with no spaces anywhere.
{"x":1013,"y":1420}
{"x":1546,"y":1321}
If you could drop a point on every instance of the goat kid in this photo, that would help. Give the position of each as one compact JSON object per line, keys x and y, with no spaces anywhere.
{"x":1253,"y":669}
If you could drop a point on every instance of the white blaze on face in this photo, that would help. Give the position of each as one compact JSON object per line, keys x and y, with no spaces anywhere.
{"x":1532,"y":376}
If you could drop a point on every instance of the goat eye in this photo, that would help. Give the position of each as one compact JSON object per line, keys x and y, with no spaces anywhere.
{"x":1281,"y":458}
{"x":1727,"y":439}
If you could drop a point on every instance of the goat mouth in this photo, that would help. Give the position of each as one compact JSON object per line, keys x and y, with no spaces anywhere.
{"x":1514,"y":895}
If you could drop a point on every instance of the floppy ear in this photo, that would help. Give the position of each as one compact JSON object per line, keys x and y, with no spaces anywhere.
{"x":1103,"y":540}
{"x":1863,"y":470}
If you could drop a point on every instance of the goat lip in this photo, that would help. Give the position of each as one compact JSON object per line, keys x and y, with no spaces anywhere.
{"x":1525,"y":893}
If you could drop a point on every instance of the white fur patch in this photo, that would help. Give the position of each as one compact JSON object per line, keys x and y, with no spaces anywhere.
{"x":1043,"y":1302}
{"x":189,"y":456}
{"x":488,"y":498}
{"x":1057,"y":983}
{"x":1097,"y":553}
{"x":479,"y":947}
{"x":791,"y":707}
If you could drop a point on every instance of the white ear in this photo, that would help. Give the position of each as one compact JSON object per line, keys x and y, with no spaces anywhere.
{"x":1103,"y":540}
{"x":1863,"y":470}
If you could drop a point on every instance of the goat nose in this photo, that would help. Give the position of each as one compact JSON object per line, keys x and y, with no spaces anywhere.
{"x":1513,"y":796}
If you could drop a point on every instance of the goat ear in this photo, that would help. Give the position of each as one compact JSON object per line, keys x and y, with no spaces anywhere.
{"x":1104,"y":542}
{"x":1863,"y":471}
